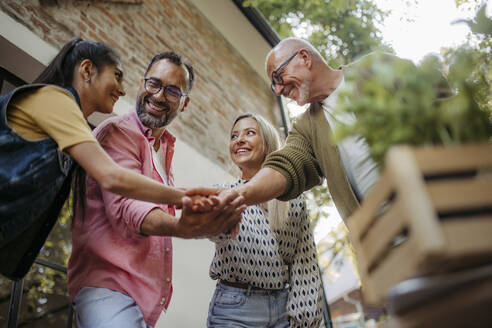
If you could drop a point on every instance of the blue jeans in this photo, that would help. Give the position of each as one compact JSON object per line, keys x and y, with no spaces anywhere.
{"x":105,"y":308}
{"x":237,"y":307}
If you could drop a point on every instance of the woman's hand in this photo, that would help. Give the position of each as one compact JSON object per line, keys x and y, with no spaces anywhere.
{"x":221,"y":219}
{"x":221,"y":197}
{"x":204,"y":199}
{"x":203,"y":204}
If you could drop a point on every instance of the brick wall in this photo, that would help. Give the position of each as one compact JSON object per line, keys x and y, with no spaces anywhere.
{"x":225,"y":84}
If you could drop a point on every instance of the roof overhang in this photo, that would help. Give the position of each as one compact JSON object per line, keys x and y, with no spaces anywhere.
{"x":244,"y":28}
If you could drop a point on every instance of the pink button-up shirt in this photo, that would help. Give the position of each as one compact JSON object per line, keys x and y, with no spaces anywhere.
{"x":108,"y":249}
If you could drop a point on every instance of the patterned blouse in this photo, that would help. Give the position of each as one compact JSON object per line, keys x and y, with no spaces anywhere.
{"x":271,"y":260}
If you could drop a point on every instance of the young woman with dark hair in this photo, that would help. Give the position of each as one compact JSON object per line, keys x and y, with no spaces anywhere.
{"x":43,"y":130}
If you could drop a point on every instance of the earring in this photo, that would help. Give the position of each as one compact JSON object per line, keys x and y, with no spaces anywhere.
{"x":88,"y":80}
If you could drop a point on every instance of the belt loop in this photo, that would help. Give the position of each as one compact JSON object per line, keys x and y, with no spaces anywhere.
{"x":248,"y":293}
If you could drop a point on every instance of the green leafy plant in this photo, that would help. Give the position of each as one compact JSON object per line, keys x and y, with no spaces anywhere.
{"x":397,"y":102}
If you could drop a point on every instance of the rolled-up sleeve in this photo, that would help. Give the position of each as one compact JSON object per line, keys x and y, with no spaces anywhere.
{"x":125,"y":215}
{"x":297,"y":163}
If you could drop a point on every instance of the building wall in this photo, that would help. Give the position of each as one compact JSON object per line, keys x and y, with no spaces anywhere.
{"x":226,"y":85}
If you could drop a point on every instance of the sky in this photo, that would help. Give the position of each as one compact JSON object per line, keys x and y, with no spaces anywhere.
{"x":425,"y":27}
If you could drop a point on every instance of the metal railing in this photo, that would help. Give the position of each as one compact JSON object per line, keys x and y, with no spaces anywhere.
{"x":17,"y":291}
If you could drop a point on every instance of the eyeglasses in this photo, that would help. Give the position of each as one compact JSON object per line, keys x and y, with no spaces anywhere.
{"x":172,"y":94}
{"x":276,"y":77}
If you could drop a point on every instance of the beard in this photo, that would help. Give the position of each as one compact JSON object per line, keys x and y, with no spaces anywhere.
{"x":151,"y":121}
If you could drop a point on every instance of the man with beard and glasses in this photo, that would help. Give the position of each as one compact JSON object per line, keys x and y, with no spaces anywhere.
{"x":119,"y":273}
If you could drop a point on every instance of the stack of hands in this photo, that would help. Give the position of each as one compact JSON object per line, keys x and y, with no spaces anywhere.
{"x":210,"y":211}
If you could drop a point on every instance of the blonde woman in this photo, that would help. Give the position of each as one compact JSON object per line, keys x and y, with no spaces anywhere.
{"x":268,"y":275}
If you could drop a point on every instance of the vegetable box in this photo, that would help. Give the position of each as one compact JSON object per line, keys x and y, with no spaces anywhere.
{"x":429,"y":213}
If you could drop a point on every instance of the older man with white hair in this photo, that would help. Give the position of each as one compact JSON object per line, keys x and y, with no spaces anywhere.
{"x":299,"y":72}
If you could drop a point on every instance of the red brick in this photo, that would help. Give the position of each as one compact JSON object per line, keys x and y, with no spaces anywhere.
{"x":40,"y":25}
{"x":81,"y":27}
{"x":105,"y":37}
{"x":18,"y":10}
{"x":94,"y":37}
{"x":87,"y":22}
{"x":225,"y":84}
{"x":109,"y":15}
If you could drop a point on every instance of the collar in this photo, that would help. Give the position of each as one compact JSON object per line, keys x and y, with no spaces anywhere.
{"x":166,"y":137}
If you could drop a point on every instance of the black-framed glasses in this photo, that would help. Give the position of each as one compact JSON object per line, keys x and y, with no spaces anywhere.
{"x":276,"y":77}
{"x":171,"y":93}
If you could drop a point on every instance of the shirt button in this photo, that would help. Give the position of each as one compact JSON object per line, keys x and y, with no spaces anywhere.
{"x":167,"y":249}
{"x":163,"y":300}
{"x":168,"y":279}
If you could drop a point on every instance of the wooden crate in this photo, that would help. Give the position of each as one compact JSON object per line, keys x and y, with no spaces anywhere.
{"x":430,"y":212}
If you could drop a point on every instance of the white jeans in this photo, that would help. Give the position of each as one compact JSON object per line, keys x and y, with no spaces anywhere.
{"x":104,"y":308}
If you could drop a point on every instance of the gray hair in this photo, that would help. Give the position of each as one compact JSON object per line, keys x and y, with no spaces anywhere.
{"x":293,"y":44}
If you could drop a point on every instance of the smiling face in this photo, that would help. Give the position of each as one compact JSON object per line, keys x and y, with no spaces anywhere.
{"x":246,"y":146}
{"x":296,"y":76}
{"x":154,"y":110}
{"x":106,"y":88}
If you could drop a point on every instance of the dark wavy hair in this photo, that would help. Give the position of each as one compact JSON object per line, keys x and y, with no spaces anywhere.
{"x":176,"y":59}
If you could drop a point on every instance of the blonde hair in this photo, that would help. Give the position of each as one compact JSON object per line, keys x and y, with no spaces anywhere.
{"x":277,"y":210}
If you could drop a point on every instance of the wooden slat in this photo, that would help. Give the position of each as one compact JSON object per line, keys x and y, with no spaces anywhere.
{"x":415,"y":200}
{"x":364,"y":217}
{"x":396,"y":267}
{"x":449,"y":195}
{"x":367,"y":284}
{"x":446,"y":159}
{"x":430,"y":242}
{"x":359,"y":252}
{"x":385,"y":229}
{"x":468,"y":236}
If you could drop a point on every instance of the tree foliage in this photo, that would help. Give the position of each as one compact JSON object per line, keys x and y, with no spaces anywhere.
{"x":479,"y":48}
{"x":341,"y":30}
{"x":397,"y":102}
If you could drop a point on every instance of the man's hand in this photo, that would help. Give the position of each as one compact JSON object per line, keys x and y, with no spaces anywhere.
{"x":223,"y":218}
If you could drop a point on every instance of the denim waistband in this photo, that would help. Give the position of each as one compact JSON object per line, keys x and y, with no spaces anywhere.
{"x":250,"y":289}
